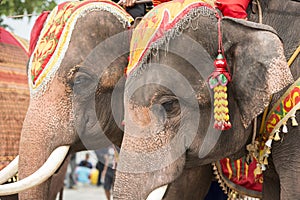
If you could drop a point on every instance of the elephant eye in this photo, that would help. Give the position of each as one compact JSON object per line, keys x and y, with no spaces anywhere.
{"x":168,"y":106}
{"x":171,"y":107}
{"x":82,"y":82}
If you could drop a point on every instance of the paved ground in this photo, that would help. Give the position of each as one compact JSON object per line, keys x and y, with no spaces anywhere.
{"x":84,"y":192}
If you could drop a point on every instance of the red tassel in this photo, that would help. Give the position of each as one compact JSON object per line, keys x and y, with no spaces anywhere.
{"x":218,"y":81}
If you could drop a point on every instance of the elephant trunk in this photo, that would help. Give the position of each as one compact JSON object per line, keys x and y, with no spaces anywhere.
{"x":32,"y":157}
{"x":135,"y":186}
{"x":30,"y":161}
{"x":38,"y":141}
{"x":140,"y":173}
{"x":125,"y":189}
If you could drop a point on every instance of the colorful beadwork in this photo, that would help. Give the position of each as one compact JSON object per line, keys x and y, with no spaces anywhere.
{"x":218,"y":82}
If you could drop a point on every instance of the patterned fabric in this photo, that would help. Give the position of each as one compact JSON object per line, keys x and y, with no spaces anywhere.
{"x":285,"y":109}
{"x":36,"y":30}
{"x":55,"y":37}
{"x":151,"y":29}
{"x":157,"y":2}
{"x":242,"y":174}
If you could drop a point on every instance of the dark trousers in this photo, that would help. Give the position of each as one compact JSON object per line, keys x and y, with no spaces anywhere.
{"x":100,"y":167}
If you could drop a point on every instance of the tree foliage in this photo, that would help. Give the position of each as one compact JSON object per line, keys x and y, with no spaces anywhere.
{"x":20,"y":7}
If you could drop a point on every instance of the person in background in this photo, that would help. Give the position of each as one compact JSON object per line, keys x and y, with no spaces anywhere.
{"x":71,"y":179}
{"x":83,"y":173}
{"x":86,"y":162}
{"x":100,"y":164}
{"x":109,"y":170}
{"x":135,"y":10}
{"x":229,"y":8}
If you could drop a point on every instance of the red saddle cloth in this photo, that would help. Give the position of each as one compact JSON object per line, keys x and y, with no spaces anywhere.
{"x":233,"y":8}
{"x":229,"y":8}
{"x":239,"y":173}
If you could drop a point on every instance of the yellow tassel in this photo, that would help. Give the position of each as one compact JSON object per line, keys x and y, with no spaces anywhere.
{"x":294,"y":121}
{"x":268,"y":150}
{"x":221,"y":110}
{"x":257,"y":170}
{"x":277,"y":137}
{"x":266,"y":161}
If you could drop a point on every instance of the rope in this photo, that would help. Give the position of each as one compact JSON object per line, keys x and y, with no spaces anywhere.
{"x":259,"y":12}
{"x":251,"y":148}
{"x":24,"y":15}
{"x":137,"y":2}
{"x":294,"y":56}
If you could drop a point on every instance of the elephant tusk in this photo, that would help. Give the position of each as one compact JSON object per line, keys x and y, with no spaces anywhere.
{"x":9,"y":171}
{"x":42,"y":174}
{"x":158,"y":193}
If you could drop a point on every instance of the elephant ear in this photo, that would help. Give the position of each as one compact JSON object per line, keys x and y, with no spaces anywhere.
{"x":112,"y":74}
{"x":256,"y":78}
{"x":110,"y":68}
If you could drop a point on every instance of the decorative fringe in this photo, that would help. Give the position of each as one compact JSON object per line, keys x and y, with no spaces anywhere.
{"x":277,"y":137}
{"x":284,"y":128}
{"x":263,"y":158}
{"x":257,"y":170}
{"x":294,"y":121}
{"x":218,"y":81}
{"x":231,"y":192}
{"x":269,"y":143}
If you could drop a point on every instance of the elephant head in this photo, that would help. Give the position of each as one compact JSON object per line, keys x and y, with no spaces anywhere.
{"x":75,"y":77}
{"x":168,"y":103}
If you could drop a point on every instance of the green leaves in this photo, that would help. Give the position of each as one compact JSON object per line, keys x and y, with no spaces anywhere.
{"x":20,"y":7}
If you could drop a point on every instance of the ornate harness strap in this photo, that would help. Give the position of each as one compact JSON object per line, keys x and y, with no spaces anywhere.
{"x":284,"y":109}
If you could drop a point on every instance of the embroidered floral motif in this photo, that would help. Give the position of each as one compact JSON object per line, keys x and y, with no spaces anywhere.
{"x":156,"y":24}
{"x":55,"y":36}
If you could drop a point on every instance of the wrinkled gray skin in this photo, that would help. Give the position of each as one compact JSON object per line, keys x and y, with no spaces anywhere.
{"x":281,"y":181}
{"x":77,"y":102}
{"x":154,"y":114}
{"x":284,"y":17}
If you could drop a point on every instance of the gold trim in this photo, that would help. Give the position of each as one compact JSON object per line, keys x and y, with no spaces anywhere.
{"x":225,"y":182}
{"x":228,"y":167}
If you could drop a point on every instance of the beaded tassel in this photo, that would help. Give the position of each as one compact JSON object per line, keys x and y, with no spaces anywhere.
{"x":218,"y":82}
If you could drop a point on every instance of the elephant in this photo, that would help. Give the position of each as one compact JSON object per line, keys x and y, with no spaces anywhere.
{"x":75,"y":70}
{"x":87,"y":57}
{"x":168,"y":108}
{"x":15,"y":100}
